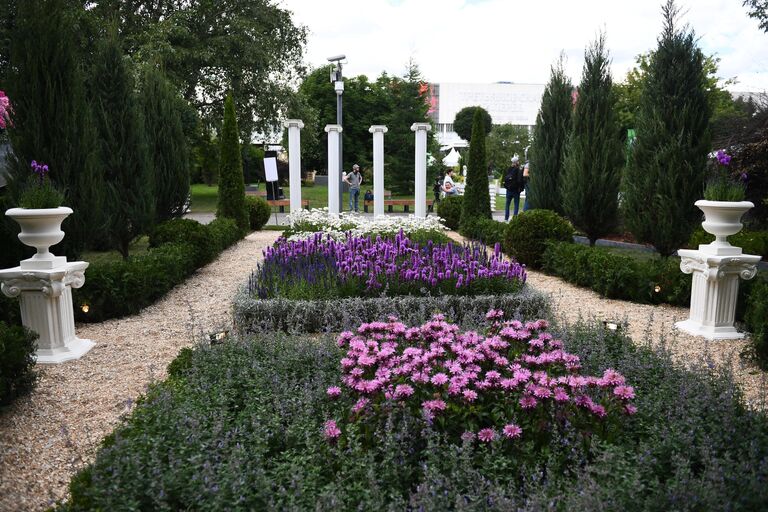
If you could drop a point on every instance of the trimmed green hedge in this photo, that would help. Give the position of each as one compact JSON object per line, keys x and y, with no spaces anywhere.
{"x":488,"y":231}
{"x":124,"y":287}
{"x":618,"y":276}
{"x":17,"y":351}
{"x":752,"y":242}
{"x":239,"y":427}
{"x":259,"y":211}
{"x":254,"y":315}
{"x":449,"y":209}
{"x":528,"y":233}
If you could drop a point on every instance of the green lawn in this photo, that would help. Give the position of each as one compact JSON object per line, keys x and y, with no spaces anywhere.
{"x":139,"y":246}
{"x":204,"y":198}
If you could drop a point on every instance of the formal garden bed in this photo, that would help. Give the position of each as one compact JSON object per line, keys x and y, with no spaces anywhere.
{"x":284,"y":422}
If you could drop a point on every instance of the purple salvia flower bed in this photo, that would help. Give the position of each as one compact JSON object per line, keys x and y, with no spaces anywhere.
{"x":321,"y":267}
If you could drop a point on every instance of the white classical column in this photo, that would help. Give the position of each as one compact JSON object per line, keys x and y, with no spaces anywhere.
{"x":294,"y":161}
{"x":716,"y":271}
{"x":334,"y":173}
{"x":46,"y":307}
{"x":420,"y":195}
{"x":378,"y":132}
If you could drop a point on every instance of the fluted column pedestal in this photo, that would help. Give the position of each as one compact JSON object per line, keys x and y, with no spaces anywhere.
{"x":46,"y":308}
{"x":715,"y":290}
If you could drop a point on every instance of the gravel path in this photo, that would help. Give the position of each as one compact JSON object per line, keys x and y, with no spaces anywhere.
{"x":48,"y":435}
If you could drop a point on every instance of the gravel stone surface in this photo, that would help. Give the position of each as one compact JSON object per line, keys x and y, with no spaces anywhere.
{"x":48,"y":435}
{"x":53,"y":432}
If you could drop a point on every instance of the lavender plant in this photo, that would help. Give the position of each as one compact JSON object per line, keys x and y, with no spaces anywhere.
{"x":39,"y":191}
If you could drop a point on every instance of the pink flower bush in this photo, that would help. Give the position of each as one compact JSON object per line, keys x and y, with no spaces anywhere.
{"x":5,"y":110}
{"x":513,"y":382}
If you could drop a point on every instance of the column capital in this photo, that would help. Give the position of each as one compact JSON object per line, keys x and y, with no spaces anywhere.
{"x":421,"y":126}
{"x":289,"y":123}
{"x":378,"y":128}
{"x":333,"y":128}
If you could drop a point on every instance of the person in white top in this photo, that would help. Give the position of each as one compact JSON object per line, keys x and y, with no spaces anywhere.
{"x":449,"y":187}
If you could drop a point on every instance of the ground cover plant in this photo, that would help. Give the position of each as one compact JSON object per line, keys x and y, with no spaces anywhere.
{"x":243,"y":426}
{"x":322,"y":267}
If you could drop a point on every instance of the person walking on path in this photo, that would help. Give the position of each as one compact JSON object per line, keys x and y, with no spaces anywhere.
{"x":526,"y":180}
{"x":354,"y":179}
{"x":513,"y":183}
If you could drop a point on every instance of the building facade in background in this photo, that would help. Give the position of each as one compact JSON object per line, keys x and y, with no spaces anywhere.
{"x":508,"y":103}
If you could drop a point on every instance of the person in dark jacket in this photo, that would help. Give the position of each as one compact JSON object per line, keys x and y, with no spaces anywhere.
{"x":513,"y":183}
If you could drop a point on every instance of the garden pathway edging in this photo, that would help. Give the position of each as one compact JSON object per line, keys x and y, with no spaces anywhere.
{"x":48,"y":435}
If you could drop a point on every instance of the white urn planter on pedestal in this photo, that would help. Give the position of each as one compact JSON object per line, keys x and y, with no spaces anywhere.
{"x":716,"y":269}
{"x":44,"y":285}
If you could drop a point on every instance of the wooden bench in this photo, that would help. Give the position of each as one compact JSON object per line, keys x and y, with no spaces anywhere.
{"x":282,"y":203}
{"x":405,"y":203}
{"x":387,"y":195}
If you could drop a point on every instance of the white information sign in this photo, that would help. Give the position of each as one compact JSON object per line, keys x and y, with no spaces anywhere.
{"x":270,"y":168}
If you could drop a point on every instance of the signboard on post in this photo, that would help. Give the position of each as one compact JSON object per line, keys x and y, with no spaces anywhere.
{"x":270,"y":168}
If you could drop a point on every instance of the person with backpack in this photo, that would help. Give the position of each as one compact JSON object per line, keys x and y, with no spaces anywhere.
{"x":513,"y":183}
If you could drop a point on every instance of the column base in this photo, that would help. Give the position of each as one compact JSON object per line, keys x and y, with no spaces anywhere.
{"x":72,"y":350}
{"x":711,"y":333}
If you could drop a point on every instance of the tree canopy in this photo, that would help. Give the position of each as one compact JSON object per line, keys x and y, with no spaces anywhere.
{"x":463,"y":122}
{"x":252,"y":48}
{"x":505,"y":141}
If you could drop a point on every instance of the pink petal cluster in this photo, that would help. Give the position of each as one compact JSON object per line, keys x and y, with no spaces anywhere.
{"x":514,"y":371}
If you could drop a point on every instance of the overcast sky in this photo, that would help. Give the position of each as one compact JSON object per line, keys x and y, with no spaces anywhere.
{"x":484,"y":41}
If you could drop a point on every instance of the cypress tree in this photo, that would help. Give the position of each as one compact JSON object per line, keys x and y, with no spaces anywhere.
{"x":593,"y":155}
{"x":168,"y":145}
{"x":553,"y":124}
{"x":231,"y":182}
{"x":477,"y":200}
{"x":121,"y":146}
{"x":52,"y":122}
{"x":667,"y":164}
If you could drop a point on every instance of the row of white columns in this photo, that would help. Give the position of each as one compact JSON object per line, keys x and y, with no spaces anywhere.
{"x":334,"y":172}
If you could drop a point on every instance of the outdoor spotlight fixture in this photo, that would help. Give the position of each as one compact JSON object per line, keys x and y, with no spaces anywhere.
{"x":611,"y":325}
{"x":218,"y":338}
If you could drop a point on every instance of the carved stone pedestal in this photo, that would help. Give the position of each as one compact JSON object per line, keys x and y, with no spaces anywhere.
{"x":46,"y":308}
{"x":716,"y":272}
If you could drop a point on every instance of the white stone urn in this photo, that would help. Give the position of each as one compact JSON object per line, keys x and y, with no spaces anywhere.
{"x":41,"y":228}
{"x":722,"y":219}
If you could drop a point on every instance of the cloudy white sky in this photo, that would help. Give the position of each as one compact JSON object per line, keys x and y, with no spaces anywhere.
{"x":485,"y":41}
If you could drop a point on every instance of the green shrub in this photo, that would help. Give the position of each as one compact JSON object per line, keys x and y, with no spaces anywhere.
{"x":259,"y":211}
{"x":118,"y":288}
{"x":756,"y":320}
{"x":488,"y":231}
{"x":181,"y":364}
{"x":199,"y":236}
{"x":619,"y":276}
{"x":526,"y":235}
{"x":752,"y":242}
{"x":225,"y":232}
{"x":17,"y":350}
{"x":9,"y":310}
{"x":243,"y":430}
{"x":449,"y":209}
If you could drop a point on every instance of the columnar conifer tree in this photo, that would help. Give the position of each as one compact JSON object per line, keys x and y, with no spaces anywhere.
{"x":667,"y":164}
{"x":52,"y":122}
{"x":231,"y":182}
{"x":550,"y":135}
{"x":122,"y":150}
{"x":477,"y":201}
{"x":593,"y":155}
{"x":168,"y":145}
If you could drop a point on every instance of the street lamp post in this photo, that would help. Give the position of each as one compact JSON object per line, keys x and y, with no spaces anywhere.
{"x":338,"y":85}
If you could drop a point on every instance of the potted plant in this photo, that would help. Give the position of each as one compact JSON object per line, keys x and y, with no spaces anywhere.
{"x":40,"y":216}
{"x":723,"y":204}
